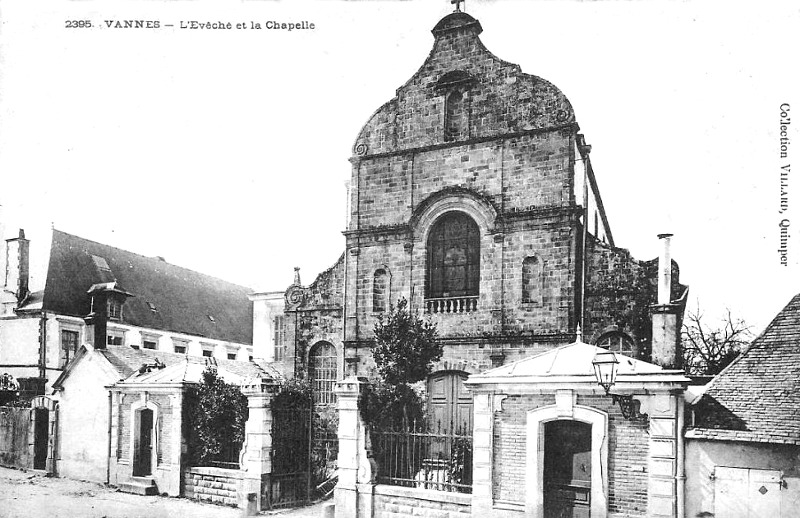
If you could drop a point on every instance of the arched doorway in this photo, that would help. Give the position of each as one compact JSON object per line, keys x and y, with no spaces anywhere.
{"x":41,"y":437}
{"x":143,"y":443}
{"x":567,"y":469}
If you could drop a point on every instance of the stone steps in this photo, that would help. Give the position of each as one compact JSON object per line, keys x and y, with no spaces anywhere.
{"x":139,"y":486}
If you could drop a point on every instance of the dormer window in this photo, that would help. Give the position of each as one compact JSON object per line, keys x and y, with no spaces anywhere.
{"x":114,"y":308}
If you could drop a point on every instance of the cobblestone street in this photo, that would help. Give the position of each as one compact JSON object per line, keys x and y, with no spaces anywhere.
{"x":24,"y":494}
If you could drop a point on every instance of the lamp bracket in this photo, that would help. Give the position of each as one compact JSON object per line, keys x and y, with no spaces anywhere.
{"x":628,"y":406}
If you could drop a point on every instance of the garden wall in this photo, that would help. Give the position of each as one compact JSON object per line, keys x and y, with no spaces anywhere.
{"x":399,"y":502}
{"x":14,"y":436}
{"x":213,"y":485}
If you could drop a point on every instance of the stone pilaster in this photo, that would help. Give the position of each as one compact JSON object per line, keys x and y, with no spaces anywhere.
{"x":355,"y":488}
{"x":482,"y":432}
{"x":256,"y":458}
{"x":663,"y":452}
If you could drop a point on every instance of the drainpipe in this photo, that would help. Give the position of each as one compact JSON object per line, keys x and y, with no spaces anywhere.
{"x":108,"y":457}
{"x":43,"y":347}
{"x":584,"y":150}
{"x":680,"y":477}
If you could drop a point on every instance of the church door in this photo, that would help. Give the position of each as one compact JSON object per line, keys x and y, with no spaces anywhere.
{"x":567,"y":469}
{"x":143,"y":445}
{"x":41,"y":437}
{"x":449,"y":403}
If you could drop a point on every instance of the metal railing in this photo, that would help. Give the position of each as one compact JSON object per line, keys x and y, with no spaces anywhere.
{"x":424,"y":459}
{"x":452,"y":304}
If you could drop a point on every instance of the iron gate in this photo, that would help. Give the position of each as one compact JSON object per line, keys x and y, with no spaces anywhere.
{"x":304,"y":451}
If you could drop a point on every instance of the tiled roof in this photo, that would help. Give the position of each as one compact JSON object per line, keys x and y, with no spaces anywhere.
{"x":166,"y":297}
{"x":127,"y":360}
{"x":757,"y":397}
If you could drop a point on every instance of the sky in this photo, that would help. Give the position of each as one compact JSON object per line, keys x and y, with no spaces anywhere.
{"x":226,"y":150}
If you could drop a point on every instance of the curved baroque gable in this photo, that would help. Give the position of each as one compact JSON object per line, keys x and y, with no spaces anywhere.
{"x":498,"y":97}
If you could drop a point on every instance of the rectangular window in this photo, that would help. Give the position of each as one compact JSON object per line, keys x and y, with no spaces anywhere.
{"x":148,"y":344}
{"x":180,"y":349}
{"x":114,"y":309}
{"x":69,"y":346}
{"x":231,"y":356}
{"x":279,"y":323}
{"x":208,"y":353}
{"x":114,"y":339}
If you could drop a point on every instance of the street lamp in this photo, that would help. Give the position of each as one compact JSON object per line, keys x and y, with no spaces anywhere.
{"x":605,"y":366}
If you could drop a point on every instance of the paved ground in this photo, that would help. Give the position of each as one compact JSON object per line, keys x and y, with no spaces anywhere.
{"x":27,"y":495}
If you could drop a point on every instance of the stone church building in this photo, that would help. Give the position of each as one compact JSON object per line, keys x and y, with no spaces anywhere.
{"x":474,"y":197}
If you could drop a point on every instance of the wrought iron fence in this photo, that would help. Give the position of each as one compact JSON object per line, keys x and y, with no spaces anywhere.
{"x":418,"y":457}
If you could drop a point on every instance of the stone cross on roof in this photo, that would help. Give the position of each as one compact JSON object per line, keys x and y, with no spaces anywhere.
{"x":457,"y":3}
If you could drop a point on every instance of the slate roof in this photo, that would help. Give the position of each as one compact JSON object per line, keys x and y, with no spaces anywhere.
{"x":757,"y":397}
{"x":572,"y":364}
{"x":127,"y":360}
{"x":183,"y":299}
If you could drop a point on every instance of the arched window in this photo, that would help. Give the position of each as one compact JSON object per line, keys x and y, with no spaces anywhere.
{"x":322,"y":372}
{"x":453,"y":268}
{"x":617,"y":342}
{"x":531,"y":280}
{"x":380,"y":290}
{"x":455,"y":117}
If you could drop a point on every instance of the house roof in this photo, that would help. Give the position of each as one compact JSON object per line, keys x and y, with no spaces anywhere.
{"x":572,"y":364}
{"x":757,"y":397}
{"x":126,"y":362}
{"x":165,"y":297}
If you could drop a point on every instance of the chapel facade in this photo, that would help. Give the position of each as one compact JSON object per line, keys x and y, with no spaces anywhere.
{"x":473,"y":196}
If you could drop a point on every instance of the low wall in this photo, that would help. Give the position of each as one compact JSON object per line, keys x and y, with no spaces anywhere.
{"x":14,"y":437}
{"x":400,"y":502}
{"x":213,"y":485}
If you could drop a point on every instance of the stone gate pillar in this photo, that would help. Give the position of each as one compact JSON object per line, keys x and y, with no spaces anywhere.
{"x":256,"y":457}
{"x":354,"y":490}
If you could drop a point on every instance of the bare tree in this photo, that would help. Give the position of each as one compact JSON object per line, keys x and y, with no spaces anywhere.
{"x":707,"y":350}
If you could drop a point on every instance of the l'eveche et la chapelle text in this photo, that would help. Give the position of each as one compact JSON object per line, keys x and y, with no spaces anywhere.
{"x":190,"y":25}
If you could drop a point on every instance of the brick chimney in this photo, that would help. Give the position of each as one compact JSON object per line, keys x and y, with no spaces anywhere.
{"x":17,"y":265}
{"x":666,"y":350}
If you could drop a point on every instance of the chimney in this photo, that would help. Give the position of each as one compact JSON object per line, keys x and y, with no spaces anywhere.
{"x":665,"y":270}
{"x":666,"y":334}
{"x":17,"y":265}
{"x":297,"y":276}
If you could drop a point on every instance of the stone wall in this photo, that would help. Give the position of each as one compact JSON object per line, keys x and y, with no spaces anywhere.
{"x":317,"y":317}
{"x":213,"y":485}
{"x":401,"y":502}
{"x":15,"y":426}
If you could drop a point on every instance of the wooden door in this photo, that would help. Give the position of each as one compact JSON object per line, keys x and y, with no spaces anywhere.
{"x":143,"y":445}
{"x":567,"y":469}
{"x":449,"y":404}
{"x":746,"y":493}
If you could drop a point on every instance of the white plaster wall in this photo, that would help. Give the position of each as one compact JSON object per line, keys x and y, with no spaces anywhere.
{"x":83,"y":422}
{"x":703,"y":456}
{"x":19,"y":345}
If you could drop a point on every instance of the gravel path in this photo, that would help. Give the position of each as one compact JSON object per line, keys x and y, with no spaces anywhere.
{"x":27,"y":495}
